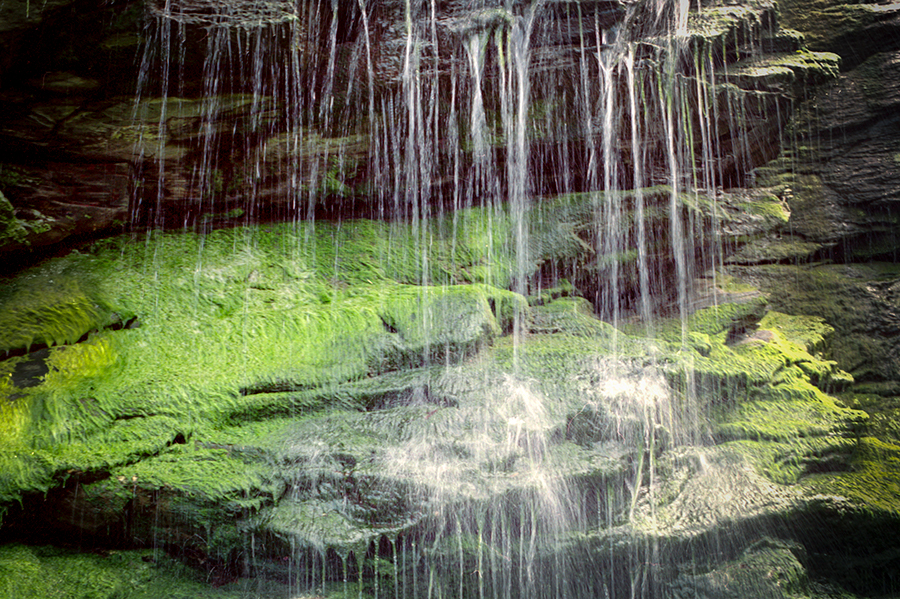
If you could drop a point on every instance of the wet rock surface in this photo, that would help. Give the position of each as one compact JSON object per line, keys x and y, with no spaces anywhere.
{"x":297,"y":464}
{"x":858,"y":300}
{"x":84,"y":143}
{"x":358,"y":407}
{"x":842,"y":174}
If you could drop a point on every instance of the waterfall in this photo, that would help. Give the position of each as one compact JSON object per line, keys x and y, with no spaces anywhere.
{"x":327,"y":111}
{"x":304,"y":118}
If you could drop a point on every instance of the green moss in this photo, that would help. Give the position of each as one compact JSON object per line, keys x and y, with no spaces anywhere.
{"x":252,"y":319}
{"x":809,"y":332}
{"x":197,"y":495}
{"x":775,"y":250}
{"x":578,"y":345}
{"x":716,"y":22}
{"x":563,"y":289}
{"x":884,"y":414}
{"x":713,"y":321}
{"x":33,"y":572}
{"x":784,"y":412}
{"x":11,"y":229}
{"x":768,"y":207}
{"x":800,"y":67}
{"x":730,"y":284}
{"x":785,"y":402}
{"x":59,"y":407}
{"x":767,"y":568}
{"x":123,"y":442}
{"x":569,"y":315}
{"x":797,"y":337}
{"x":850,"y":299}
{"x":214,"y":473}
{"x":873,"y":480}
{"x":788,"y":462}
{"x":339,"y":171}
{"x":270,"y":371}
{"x":15,"y":415}
{"x":825,"y":22}
{"x":561,"y":228}
{"x":320,"y":525}
{"x":23,"y":471}
{"x":57,"y":305}
{"x":757,"y":375}
{"x":795,"y":428}
{"x":234,"y":325}
{"x":25,"y":573}
{"x":433,"y":322}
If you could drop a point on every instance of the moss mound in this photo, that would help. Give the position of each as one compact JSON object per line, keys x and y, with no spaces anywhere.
{"x":324,"y":394}
{"x":146,"y":340}
{"x":43,"y":571}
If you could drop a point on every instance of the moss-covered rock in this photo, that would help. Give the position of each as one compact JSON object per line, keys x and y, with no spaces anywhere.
{"x":787,"y":73}
{"x":312,"y":394}
{"x":854,"y":299}
{"x":340,"y":402}
{"x":768,"y":568}
{"x":854,"y":31}
{"x":36,"y":571}
{"x":213,"y":320}
{"x":839,"y":176}
{"x":11,"y":229}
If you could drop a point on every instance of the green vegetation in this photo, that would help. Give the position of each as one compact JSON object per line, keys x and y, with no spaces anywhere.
{"x":11,"y":229}
{"x":824,"y":22}
{"x":214,"y":319}
{"x":145,"y":574}
{"x":56,"y":306}
{"x":779,"y":70}
{"x":851,"y":298}
{"x":317,"y":385}
{"x":768,"y":568}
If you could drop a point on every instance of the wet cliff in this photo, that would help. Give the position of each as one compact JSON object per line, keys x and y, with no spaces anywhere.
{"x":484,"y":299}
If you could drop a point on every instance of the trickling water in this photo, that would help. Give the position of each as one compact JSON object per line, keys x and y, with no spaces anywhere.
{"x":394,"y":110}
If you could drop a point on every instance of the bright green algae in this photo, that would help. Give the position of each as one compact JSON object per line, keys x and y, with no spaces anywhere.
{"x":11,"y":229}
{"x":216,"y":320}
{"x":139,"y":574}
{"x":250,"y":347}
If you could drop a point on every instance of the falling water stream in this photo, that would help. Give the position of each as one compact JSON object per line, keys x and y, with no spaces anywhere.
{"x":414,"y":110}
{"x":484,"y":107}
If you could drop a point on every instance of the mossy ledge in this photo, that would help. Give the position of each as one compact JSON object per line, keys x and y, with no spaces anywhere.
{"x":315,"y":390}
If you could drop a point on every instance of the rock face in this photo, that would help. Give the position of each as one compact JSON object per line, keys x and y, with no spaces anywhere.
{"x":526,"y":299}
{"x":62,"y":64}
{"x":383,"y":112}
{"x":840,"y":179}
{"x":240,"y":402}
{"x":844,"y":167}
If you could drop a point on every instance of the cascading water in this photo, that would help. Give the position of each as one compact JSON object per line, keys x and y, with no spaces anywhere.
{"x":299,"y":77}
{"x":310,"y":112}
